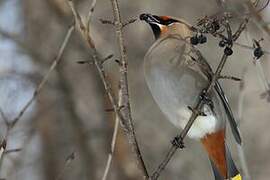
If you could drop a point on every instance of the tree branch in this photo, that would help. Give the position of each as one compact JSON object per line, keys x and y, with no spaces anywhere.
{"x":122,"y":113}
{"x":46,"y":77}
{"x":124,"y":91}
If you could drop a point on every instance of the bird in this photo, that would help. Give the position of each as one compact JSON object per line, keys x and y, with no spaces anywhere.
{"x":177,"y":74}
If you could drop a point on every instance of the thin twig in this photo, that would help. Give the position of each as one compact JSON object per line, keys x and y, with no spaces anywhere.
{"x":249,"y":47}
{"x":258,"y":19}
{"x":130,"y":21}
{"x":46,"y":77}
{"x":69,"y":159}
{"x":124,"y":91}
{"x":89,"y":16}
{"x":196,"y":111}
{"x":8,"y":151}
{"x":105,"y":21}
{"x":96,"y":59}
{"x":230,"y":78}
{"x":110,"y":156}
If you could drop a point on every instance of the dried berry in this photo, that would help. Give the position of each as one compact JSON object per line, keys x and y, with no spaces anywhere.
{"x":228,"y":51}
{"x":216,"y":25}
{"x":202,"y":39}
{"x":222,"y":43}
{"x":258,"y":52}
{"x":194,"y":40}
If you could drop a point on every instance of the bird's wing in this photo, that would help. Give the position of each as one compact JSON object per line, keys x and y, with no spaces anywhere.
{"x":205,"y":67}
{"x":201,"y":70}
{"x":233,"y":124}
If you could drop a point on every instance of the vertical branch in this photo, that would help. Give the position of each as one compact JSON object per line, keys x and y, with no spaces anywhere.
{"x":110,"y":156}
{"x":124,"y":92}
{"x":123,"y":112}
{"x":89,"y":16}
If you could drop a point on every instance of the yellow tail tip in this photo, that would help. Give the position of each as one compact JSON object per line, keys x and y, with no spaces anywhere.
{"x":237,"y":177}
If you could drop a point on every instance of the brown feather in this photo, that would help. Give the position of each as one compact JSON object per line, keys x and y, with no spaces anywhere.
{"x":215,"y":145}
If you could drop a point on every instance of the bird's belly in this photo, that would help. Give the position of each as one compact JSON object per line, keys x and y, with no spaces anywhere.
{"x":203,"y":124}
{"x":173,"y":91}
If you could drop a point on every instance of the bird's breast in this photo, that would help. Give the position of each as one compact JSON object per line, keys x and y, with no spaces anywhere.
{"x":174,"y":86}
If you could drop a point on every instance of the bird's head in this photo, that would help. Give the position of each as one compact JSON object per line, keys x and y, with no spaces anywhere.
{"x":164,"y":25}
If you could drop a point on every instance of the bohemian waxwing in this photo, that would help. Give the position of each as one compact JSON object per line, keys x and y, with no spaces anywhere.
{"x":176,"y":75}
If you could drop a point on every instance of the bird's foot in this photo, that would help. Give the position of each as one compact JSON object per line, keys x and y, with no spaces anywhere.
{"x":206,"y":99}
{"x":178,"y":142}
{"x":200,"y":113}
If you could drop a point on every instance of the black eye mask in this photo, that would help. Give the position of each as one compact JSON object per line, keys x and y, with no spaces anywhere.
{"x":164,"y":21}
{"x":152,"y":19}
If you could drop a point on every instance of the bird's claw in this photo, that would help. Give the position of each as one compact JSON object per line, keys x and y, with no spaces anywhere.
{"x":206,"y":99}
{"x":178,"y":142}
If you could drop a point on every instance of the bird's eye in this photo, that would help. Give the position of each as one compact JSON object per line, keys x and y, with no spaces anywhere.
{"x":170,"y":22}
{"x":167,"y":21}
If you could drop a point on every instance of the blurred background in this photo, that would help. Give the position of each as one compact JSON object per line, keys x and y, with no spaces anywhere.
{"x":66,"y":132}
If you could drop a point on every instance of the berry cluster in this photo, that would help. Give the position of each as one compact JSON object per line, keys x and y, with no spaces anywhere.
{"x":198,"y":39}
{"x":228,"y":51}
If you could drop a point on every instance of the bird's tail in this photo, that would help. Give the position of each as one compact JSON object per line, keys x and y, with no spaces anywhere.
{"x":220,"y":157}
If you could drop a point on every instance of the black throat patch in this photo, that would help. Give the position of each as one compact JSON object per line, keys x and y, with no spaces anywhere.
{"x":156,"y":30}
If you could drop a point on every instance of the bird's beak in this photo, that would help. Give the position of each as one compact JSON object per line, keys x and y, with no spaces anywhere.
{"x":149,"y":18}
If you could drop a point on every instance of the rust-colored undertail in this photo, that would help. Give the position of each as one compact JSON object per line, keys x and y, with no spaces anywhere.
{"x":220,"y":157}
{"x":215,"y":146}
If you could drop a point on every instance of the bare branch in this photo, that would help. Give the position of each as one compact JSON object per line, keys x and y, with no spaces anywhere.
{"x":258,"y":19}
{"x":122,"y":113}
{"x":96,"y":59}
{"x":129,"y":22}
{"x":249,"y":47}
{"x":230,"y":78}
{"x":109,"y":160}
{"x":124,"y":91}
{"x":105,"y":21}
{"x":46,"y":77}
{"x":69,"y":159}
{"x":80,"y":23}
{"x":89,"y":16}
{"x":8,"y":151}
